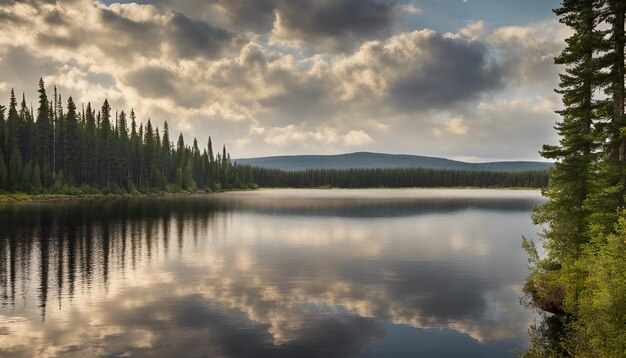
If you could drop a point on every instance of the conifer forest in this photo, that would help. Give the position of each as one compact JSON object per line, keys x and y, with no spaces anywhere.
{"x":579,"y":285}
{"x":60,"y":148}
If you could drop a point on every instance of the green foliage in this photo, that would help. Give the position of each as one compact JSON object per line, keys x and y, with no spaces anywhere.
{"x":602,"y":313}
{"x":78,"y":152}
{"x":389,"y":178}
{"x":581,"y":283}
{"x":36,"y":187}
{"x":59,"y":185}
{"x":187,"y":179}
{"x":216,"y":187}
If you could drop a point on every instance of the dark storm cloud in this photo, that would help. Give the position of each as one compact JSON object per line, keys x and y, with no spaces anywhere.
{"x":158,"y":82}
{"x":454,"y":71}
{"x":336,"y":25}
{"x":187,"y":38}
{"x":124,"y":38}
{"x":418,"y":72}
{"x":328,"y":24}
{"x":244,"y":15}
{"x":22,"y":69}
{"x":55,"y":18}
{"x":123,"y":34}
{"x":300,"y":98}
{"x":124,"y":25}
{"x":153,"y":82}
{"x":194,"y":38}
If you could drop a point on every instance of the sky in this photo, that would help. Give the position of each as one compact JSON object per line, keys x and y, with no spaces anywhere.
{"x":464,"y":79}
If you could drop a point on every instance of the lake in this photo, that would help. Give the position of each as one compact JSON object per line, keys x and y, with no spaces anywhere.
{"x":268,"y":273}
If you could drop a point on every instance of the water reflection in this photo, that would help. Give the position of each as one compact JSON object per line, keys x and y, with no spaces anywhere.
{"x":280,"y":273}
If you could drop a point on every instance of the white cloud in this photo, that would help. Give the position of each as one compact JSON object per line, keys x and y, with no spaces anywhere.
{"x":391,"y":94}
{"x":357,"y":138}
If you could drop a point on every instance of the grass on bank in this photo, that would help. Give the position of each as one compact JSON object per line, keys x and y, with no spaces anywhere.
{"x":67,"y":192}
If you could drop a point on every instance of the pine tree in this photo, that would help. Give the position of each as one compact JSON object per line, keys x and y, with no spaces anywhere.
{"x":570,"y":185}
{"x":149,"y":151}
{"x":58,"y":120}
{"x":135,"y":143}
{"x":14,"y":156}
{"x":105,"y":140}
{"x":198,"y":167}
{"x":26,"y":129}
{"x":3,"y":146}
{"x":44,"y":149}
{"x":166,"y":152}
{"x":588,"y":183}
{"x":124,"y":148}
{"x":224,"y":172}
{"x":609,"y":199}
{"x":180,"y":151}
{"x":211,"y":170}
{"x":90,"y":155}
{"x":71,"y":143}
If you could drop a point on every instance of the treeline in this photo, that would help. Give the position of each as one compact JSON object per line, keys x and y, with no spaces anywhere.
{"x":580,"y":284}
{"x":396,"y":178}
{"x":60,"y":149}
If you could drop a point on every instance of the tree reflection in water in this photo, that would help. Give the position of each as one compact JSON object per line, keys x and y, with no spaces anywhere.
{"x":269,"y":273}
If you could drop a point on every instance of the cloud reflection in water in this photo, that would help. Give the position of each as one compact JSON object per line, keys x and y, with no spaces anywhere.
{"x":266,"y":274}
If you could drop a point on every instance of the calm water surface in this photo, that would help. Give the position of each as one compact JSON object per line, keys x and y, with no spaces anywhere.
{"x":280,"y":273}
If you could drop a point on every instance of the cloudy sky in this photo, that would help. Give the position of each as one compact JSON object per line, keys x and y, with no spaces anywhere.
{"x":464,"y":79}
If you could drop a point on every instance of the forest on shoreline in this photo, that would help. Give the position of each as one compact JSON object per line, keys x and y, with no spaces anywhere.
{"x":396,"y":178}
{"x":62,"y":150}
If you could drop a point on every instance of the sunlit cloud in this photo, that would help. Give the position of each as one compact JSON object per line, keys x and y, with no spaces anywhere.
{"x":235,"y":70}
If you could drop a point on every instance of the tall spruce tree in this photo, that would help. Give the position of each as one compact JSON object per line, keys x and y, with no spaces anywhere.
{"x":105,"y":140}
{"x":135,"y":151}
{"x":45,"y":131}
{"x":586,"y":192}
{"x":611,"y":184}
{"x":27,"y":128}
{"x":165,"y":152}
{"x":13,"y":153}
{"x":565,"y":213}
{"x":4,"y":173}
{"x":71,"y":145}
{"x":89,"y":155}
{"x":2,"y":132}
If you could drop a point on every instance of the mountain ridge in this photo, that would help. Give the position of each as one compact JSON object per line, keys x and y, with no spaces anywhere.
{"x":363,"y":160}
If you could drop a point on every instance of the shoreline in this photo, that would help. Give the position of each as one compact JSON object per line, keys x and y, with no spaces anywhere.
{"x":402,"y":188}
{"x":21,"y":197}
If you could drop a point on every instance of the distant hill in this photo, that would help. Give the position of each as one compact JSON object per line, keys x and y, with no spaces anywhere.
{"x":361,"y":160}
